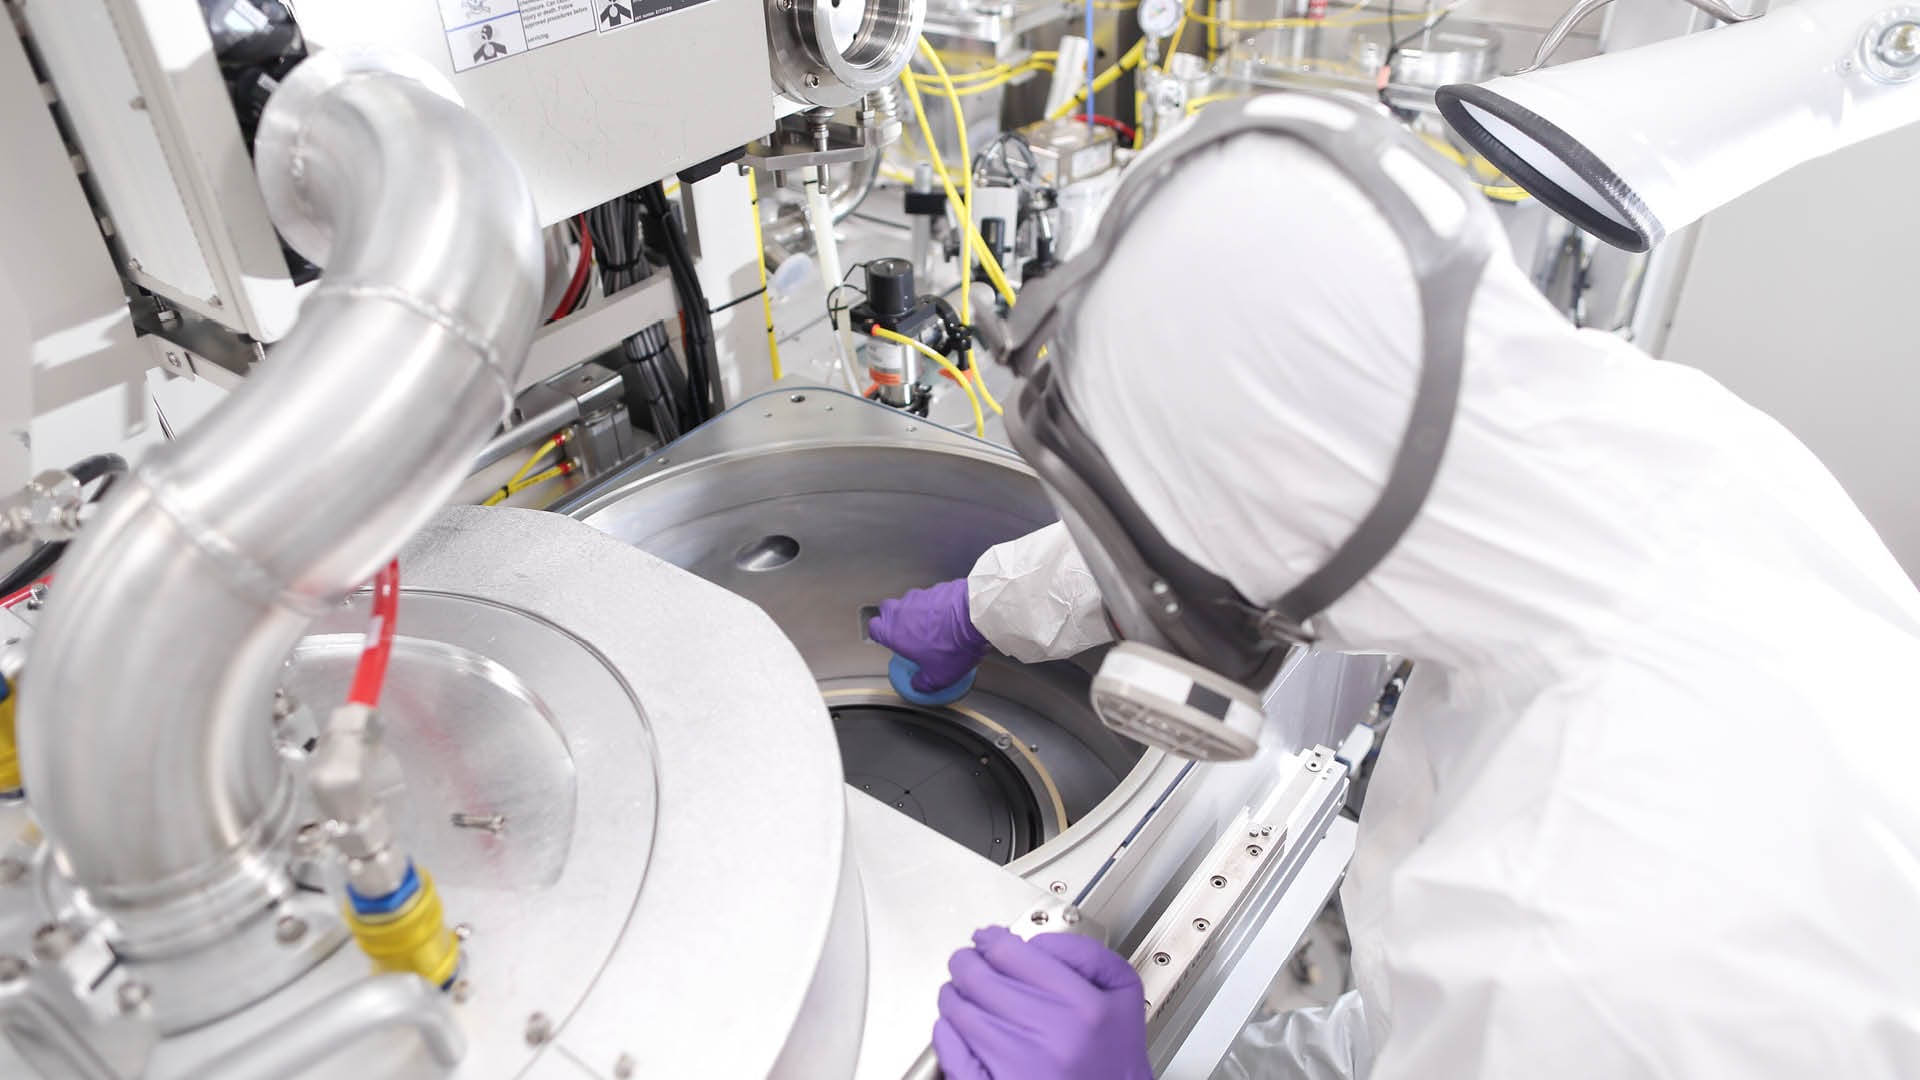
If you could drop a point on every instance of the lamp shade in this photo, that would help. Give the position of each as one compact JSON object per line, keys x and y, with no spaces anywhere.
{"x":1636,"y":144}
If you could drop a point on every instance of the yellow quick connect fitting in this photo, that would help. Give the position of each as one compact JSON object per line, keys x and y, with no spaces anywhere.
{"x":415,"y":938}
{"x":9,"y":753}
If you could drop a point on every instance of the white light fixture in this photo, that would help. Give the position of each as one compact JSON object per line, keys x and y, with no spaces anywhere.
{"x":1634,"y":145}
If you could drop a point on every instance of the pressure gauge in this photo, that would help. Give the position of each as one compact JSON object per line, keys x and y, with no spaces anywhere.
{"x":1159,"y":18}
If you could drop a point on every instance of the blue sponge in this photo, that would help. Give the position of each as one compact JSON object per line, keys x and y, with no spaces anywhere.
{"x":900,"y":672}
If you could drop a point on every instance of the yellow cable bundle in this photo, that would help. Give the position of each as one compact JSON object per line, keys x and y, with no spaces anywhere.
{"x":515,"y":485}
{"x":766,"y":298}
{"x":982,"y":81}
{"x":987,"y":260}
{"x":1483,"y":171}
{"x":966,"y":265}
{"x":414,"y":939}
{"x":9,"y":751}
{"x":1127,"y":62}
{"x":946,"y":365}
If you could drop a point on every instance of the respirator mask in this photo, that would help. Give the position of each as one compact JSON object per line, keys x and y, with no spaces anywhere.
{"x":1193,"y":650}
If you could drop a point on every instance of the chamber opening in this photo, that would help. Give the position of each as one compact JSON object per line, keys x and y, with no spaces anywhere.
{"x":955,"y":781}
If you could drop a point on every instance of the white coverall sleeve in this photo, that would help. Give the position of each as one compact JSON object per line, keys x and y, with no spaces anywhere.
{"x":1647,"y":809}
{"x":1035,"y":599}
{"x":1329,"y":1042}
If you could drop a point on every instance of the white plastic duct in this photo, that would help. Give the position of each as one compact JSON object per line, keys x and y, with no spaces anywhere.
{"x":146,"y":716}
{"x":1634,"y":145}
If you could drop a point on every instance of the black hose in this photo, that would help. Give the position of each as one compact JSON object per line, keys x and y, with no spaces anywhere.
{"x":87,"y":470}
{"x":104,"y":467}
{"x":703,"y":359}
{"x":33,"y":568}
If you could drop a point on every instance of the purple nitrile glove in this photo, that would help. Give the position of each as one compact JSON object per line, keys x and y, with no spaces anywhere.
{"x":932,"y":628}
{"x":1058,"y":1007}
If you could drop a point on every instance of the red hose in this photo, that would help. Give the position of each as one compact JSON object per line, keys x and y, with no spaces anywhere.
{"x":580,"y":270}
{"x":1124,"y":129}
{"x":9,"y":601}
{"x":371,"y":674}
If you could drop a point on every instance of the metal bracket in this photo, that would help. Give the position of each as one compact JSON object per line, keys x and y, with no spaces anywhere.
{"x":811,"y":139}
{"x":73,"y":1010}
{"x":1237,"y":887}
{"x":1168,"y":956}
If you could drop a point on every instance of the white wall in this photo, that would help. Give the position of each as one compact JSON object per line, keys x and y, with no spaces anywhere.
{"x":1804,"y":298}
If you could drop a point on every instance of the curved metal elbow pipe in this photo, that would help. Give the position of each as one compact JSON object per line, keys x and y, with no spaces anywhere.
{"x":145,"y":723}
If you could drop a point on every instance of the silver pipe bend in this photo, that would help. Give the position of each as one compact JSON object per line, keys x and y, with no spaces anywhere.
{"x":144,"y":718}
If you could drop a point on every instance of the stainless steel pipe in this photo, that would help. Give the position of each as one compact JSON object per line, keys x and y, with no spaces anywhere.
{"x":145,"y":717}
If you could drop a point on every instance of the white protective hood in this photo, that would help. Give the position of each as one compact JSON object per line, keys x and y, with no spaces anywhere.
{"x":1650,"y":806}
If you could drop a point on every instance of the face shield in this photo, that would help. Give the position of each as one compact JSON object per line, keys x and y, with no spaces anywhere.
{"x":1193,"y":647}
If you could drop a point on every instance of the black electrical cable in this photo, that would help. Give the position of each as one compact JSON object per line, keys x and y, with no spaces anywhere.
{"x":882,"y":222}
{"x":703,"y":360}
{"x":754,"y":295}
{"x":89,"y":469}
{"x":1393,"y":50}
{"x":33,"y":567}
{"x":1386,"y":65}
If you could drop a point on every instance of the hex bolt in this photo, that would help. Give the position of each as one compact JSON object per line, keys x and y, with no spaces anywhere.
{"x":492,"y":823}
{"x":289,"y":929}
{"x":131,"y":995}
{"x":12,"y":969}
{"x":624,"y":1066}
{"x":812,"y":81}
{"x":1071,"y":916}
{"x":309,"y":838}
{"x":1254,"y":832}
{"x":1253,"y":850}
{"x":1162,"y":959}
{"x":1058,"y":888}
{"x":51,"y":942}
{"x":1039,"y":918}
{"x":1202,"y":925}
{"x":462,"y":931}
{"x":539,"y":1029}
{"x":1217,"y":881}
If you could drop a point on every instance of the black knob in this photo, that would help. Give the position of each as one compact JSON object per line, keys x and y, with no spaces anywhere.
{"x":890,"y":288}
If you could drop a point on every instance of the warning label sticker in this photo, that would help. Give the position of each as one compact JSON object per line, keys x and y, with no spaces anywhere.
{"x":615,"y":14}
{"x":480,"y":32}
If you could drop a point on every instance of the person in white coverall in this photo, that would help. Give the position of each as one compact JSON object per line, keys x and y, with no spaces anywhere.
{"x":1651,"y":803}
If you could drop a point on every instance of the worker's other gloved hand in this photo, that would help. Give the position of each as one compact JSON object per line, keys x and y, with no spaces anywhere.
{"x":932,"y":628}
{"x":1059,"y":1007}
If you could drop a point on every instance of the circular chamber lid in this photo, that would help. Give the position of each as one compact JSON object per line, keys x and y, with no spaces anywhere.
{"x":650,"y":800}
